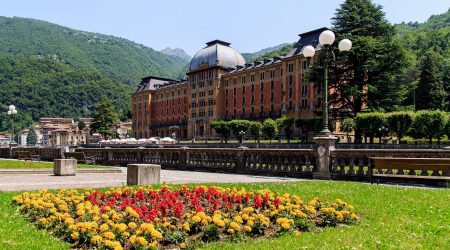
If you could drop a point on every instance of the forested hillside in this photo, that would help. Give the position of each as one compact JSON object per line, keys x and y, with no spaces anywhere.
{"x":118,"y":58}
{"x":40,"y":87}
{"x":419,"y":39}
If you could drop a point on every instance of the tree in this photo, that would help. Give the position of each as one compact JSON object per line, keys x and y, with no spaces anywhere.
{"x":309,"y":125}
{"x":430,"y":92}
{"x":256,"y":130}
{"x":430,"y":124}
{"x":238,"y":126}
{"x":368,"y":74}
{"x":31,"y":137}
{"x":105,"y":118}
{"x":287,"y":125}
{"x":400,"y":123}
{"x":371,"y":124}
{"x":223,"y":128}
{"x":81,"y":125}
{"x":347,"y":126}
{"x":269,"y":129}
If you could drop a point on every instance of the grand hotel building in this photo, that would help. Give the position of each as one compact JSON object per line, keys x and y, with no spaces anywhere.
{"x":221,"y":85}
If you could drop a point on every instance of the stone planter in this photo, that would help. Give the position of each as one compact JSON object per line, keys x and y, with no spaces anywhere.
{"x":143,"y":174}
{"x":65,"y":167}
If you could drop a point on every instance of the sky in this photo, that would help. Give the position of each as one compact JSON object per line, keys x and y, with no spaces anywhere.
{"x":250,"y":25}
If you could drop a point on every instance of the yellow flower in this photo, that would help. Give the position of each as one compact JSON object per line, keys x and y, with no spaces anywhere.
{"x":74,"y":236}
{"x":96,"y":239}
{"x":132,"y":225}
{"x":247,"y":229}
{"x":285,"y":226}
{"x":182,"y":245}
{"x":109,"y":235}
{"x":186,"y":227}
{"x":235,"y":226}
{"x":104,"y":227}
{"x":196,"y":219}
{"x":141,"y":241}
{"x":230,"y":231}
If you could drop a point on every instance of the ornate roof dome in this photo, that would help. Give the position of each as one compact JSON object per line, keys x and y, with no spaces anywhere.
{"x":216,"y":53}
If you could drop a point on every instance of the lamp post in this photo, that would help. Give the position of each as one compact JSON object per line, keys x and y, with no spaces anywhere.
{"x":12,"y":113}
{"x":326,"y":39}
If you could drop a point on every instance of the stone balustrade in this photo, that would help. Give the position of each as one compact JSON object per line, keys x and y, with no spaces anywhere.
{"x":353,"y":164}
{"x":323,"y":161}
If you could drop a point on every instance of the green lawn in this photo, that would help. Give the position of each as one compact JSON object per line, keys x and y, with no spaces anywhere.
{"x":392,"y":218}
{"x":4,"y":164}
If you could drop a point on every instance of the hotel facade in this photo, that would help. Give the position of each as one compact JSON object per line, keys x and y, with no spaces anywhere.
{"x":220,"y":85}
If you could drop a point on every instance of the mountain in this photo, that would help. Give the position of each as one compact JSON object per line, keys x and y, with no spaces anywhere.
{"x":251,"y":56}
{"x":176,"y":52}
{"x":118,"y":58}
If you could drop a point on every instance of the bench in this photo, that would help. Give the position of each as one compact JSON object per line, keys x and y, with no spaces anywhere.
{"x":80,"y":157}
{"x":424,"y":165}
{"x":27,"y":156}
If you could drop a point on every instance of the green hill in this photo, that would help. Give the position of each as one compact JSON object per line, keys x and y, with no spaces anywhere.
{"x":43,"y":87}
{"x":418,"y":39}
{"x":275,"y":51}
{"x":118,"y":58}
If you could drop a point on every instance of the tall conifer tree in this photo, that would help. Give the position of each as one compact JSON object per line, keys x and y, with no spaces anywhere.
{"x":430,"y":92}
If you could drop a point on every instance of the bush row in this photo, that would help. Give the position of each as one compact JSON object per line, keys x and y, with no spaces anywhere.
{"x":268,"y":128}
{"x":429,"y":124}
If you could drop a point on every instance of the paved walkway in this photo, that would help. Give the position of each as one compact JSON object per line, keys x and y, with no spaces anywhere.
{"x":18,"y":182}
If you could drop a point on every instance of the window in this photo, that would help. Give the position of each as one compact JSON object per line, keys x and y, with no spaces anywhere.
{"x":210,"y":92}
{"x":272,"y":85}
{"x":290,"y":67}
{"x":291,"y":79}
{"x":226,"y":83}
{"x":243,"y":79}
{"x":261,"y":76}
{"x":252,"y":77}
{"x":272,"y":73}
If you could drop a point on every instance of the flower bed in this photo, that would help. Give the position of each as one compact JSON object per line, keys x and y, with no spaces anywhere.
{"x":150,"y":218}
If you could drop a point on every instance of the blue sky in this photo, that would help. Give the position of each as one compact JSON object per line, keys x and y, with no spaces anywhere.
{"x":249,"y":25}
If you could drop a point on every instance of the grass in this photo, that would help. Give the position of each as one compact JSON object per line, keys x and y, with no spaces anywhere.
{"x":392,"y":218}
{"x":14,"y":164}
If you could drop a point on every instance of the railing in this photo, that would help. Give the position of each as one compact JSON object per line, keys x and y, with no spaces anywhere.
{"x":46,"y":154}
{"x":353,"y":164}
{"x":289,"y":162}
{"x":4,"y":152}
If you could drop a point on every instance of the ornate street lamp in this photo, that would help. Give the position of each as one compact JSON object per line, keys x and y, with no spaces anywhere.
{"x":12,"y":113}
{"x":326,"y":39}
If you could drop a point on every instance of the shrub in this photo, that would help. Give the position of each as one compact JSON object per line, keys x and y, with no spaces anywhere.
{"x":223,"y":128}
{"x":238,"y":126}
{"x":430,"y":124}
{"x":287,"y":125}
{"x":447,"y":129}
{"x":308,"y":125}
{"x":370,"y":124}
{"x":400,"y":123}
{"x":269,"y":129}
{"x":255,"y":130}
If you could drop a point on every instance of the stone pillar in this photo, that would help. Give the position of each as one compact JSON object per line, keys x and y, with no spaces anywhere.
{"x":65,"y":167}
{"x":143,"y":174}
{"x":184,"y":157}
{"x":325,"y":144}
{"x":241,"y":160}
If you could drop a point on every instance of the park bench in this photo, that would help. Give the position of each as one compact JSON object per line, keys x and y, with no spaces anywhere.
{"x":27,"y":156}
{"x":80,"y":157}
{"x":425,"y":166}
